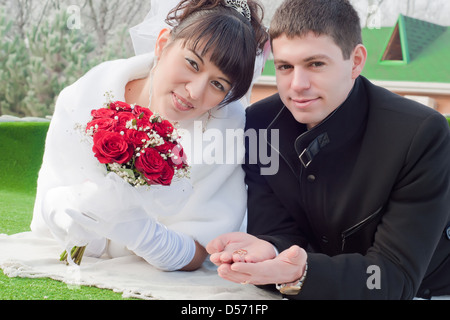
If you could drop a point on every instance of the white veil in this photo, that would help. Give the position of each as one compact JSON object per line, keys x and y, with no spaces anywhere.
{"x":145,"y":34}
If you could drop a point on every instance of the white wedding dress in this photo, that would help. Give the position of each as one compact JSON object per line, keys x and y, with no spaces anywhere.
{"x":209,"y":203}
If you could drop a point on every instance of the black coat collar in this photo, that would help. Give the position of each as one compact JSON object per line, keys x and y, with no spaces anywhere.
{"x":298,"y":146}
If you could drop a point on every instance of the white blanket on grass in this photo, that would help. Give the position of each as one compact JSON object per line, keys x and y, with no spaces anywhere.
{"x":28,"y":256}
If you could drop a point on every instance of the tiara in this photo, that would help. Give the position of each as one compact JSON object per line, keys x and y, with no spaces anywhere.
{"x":240,"y":6}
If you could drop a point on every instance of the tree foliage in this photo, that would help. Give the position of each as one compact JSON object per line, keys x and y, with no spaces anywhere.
{"x":40,"y":54}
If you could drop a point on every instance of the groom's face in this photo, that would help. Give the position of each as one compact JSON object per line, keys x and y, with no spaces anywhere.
{"x":313,"y":78}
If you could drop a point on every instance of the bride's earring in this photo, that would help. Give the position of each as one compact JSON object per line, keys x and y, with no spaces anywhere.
{"x":205,"y":123}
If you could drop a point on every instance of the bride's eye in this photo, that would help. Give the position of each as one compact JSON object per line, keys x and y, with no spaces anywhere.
{"x":218,"y":85}
{"x":193,"y":64}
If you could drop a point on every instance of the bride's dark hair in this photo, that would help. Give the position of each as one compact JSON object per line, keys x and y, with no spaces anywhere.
{"x":232,"y":40}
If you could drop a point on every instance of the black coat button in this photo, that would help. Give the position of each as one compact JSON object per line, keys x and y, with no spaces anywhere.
{"x":311,"y":178}
{"x":325,"y":239}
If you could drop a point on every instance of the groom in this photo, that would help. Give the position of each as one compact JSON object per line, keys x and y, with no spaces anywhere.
{"x":359,"y":208}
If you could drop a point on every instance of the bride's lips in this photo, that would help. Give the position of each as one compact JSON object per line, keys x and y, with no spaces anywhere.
{"x":181,"y":103}
{"x":304,"y":103}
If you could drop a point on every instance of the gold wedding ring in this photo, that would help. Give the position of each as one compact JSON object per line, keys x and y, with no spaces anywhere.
{"x":241,"y":252}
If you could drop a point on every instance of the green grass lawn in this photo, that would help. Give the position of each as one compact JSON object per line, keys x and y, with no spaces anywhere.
{"x":15,"y":220}
{"x":22,"y":146}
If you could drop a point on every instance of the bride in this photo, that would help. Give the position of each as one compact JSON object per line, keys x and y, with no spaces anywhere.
{"x":194,"y":74}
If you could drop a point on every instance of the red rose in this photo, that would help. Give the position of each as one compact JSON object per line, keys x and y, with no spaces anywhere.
{"x":103,"y":113}
{"x":166,"y":176}
{"x":124,"y":117}
{"x":120,"y":106}
{"x":153,"y":167}
{"x":142,"y":113}
{"x":110,"y":147}
{"x":135,"y":137}
{"x":143,"y":118}
{"x":164,"y":128}
{"x":166,"y":148}
{"x":102,"y":124}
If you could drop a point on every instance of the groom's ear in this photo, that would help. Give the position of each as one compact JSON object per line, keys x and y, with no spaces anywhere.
{"x":162,"y":41}
{"x":359,"y":58}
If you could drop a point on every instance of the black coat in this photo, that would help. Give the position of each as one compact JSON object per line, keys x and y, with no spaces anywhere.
{"x":370,"y":186}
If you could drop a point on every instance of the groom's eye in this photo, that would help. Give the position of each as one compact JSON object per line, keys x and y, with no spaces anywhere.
{"x":284,"y":67}
{"x":317,"y":64}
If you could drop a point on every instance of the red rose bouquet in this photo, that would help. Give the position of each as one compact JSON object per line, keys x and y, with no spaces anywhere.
{"x":139,"y":146}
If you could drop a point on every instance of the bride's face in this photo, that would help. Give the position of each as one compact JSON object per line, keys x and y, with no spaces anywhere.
{"x":186,"y":85}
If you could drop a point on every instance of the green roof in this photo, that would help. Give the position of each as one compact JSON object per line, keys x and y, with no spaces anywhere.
{"x":425,"y":52}
{"x":413,"y":51}
{"x":408,"y":39}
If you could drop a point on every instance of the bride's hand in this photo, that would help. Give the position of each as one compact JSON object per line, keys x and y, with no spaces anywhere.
{"x":56,"y":202}
{"x":126,"y":231}
{"x":110,"y":198}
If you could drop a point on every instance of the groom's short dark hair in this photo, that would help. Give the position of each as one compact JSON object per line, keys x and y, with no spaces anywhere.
{"x":335,"y":18}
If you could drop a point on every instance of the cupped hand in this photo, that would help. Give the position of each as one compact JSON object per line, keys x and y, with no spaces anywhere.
{"x":239,"y":247}
{"x":287,"y":267}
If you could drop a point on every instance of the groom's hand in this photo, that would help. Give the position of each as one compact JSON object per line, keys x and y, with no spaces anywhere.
{"x":239,"y":247}
{"x":287,"y":267}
